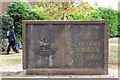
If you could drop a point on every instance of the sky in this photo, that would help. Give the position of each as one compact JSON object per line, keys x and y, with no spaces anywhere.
{"x":106,"y":3}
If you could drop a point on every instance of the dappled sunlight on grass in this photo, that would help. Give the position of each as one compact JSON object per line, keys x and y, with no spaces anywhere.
{"x":11,"y":59}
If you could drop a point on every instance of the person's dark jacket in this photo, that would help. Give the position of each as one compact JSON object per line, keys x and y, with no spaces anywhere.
{"x":11,"y":36}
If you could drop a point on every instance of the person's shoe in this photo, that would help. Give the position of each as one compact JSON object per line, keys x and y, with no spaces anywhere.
{"x":17,"y":52}
{"x":7,"y":53}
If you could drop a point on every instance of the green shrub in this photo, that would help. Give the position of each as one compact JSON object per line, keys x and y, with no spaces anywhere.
{"x":21,"y":11}
{"x":5,"y":22}
{"x":95,"y":15}
{"x":119,"y":24}
{"x":112,"y":16}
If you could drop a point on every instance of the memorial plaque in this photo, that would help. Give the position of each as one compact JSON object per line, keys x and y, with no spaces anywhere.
{"x":65,"y":47}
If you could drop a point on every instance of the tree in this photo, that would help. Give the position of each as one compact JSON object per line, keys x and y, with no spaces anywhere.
{"x":64,"y":10}
{"x":54,"y":10}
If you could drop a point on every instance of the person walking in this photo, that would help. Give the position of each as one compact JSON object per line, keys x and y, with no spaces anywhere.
{"x":11,"y":39}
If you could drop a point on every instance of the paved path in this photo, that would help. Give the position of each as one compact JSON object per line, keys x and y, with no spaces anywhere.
{"x":17,"y":71}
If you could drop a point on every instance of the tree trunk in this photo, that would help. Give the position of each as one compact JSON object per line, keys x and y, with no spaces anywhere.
{"x":64,"y":17}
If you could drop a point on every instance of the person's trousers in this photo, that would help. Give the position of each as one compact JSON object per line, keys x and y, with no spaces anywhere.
{"x":11,"y":44}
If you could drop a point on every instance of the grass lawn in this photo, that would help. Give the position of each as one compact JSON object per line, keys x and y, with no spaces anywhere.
{"x":12,"y":59}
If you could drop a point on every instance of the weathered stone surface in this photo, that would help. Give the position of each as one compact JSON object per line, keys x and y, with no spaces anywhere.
{"x":66,"y":45}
